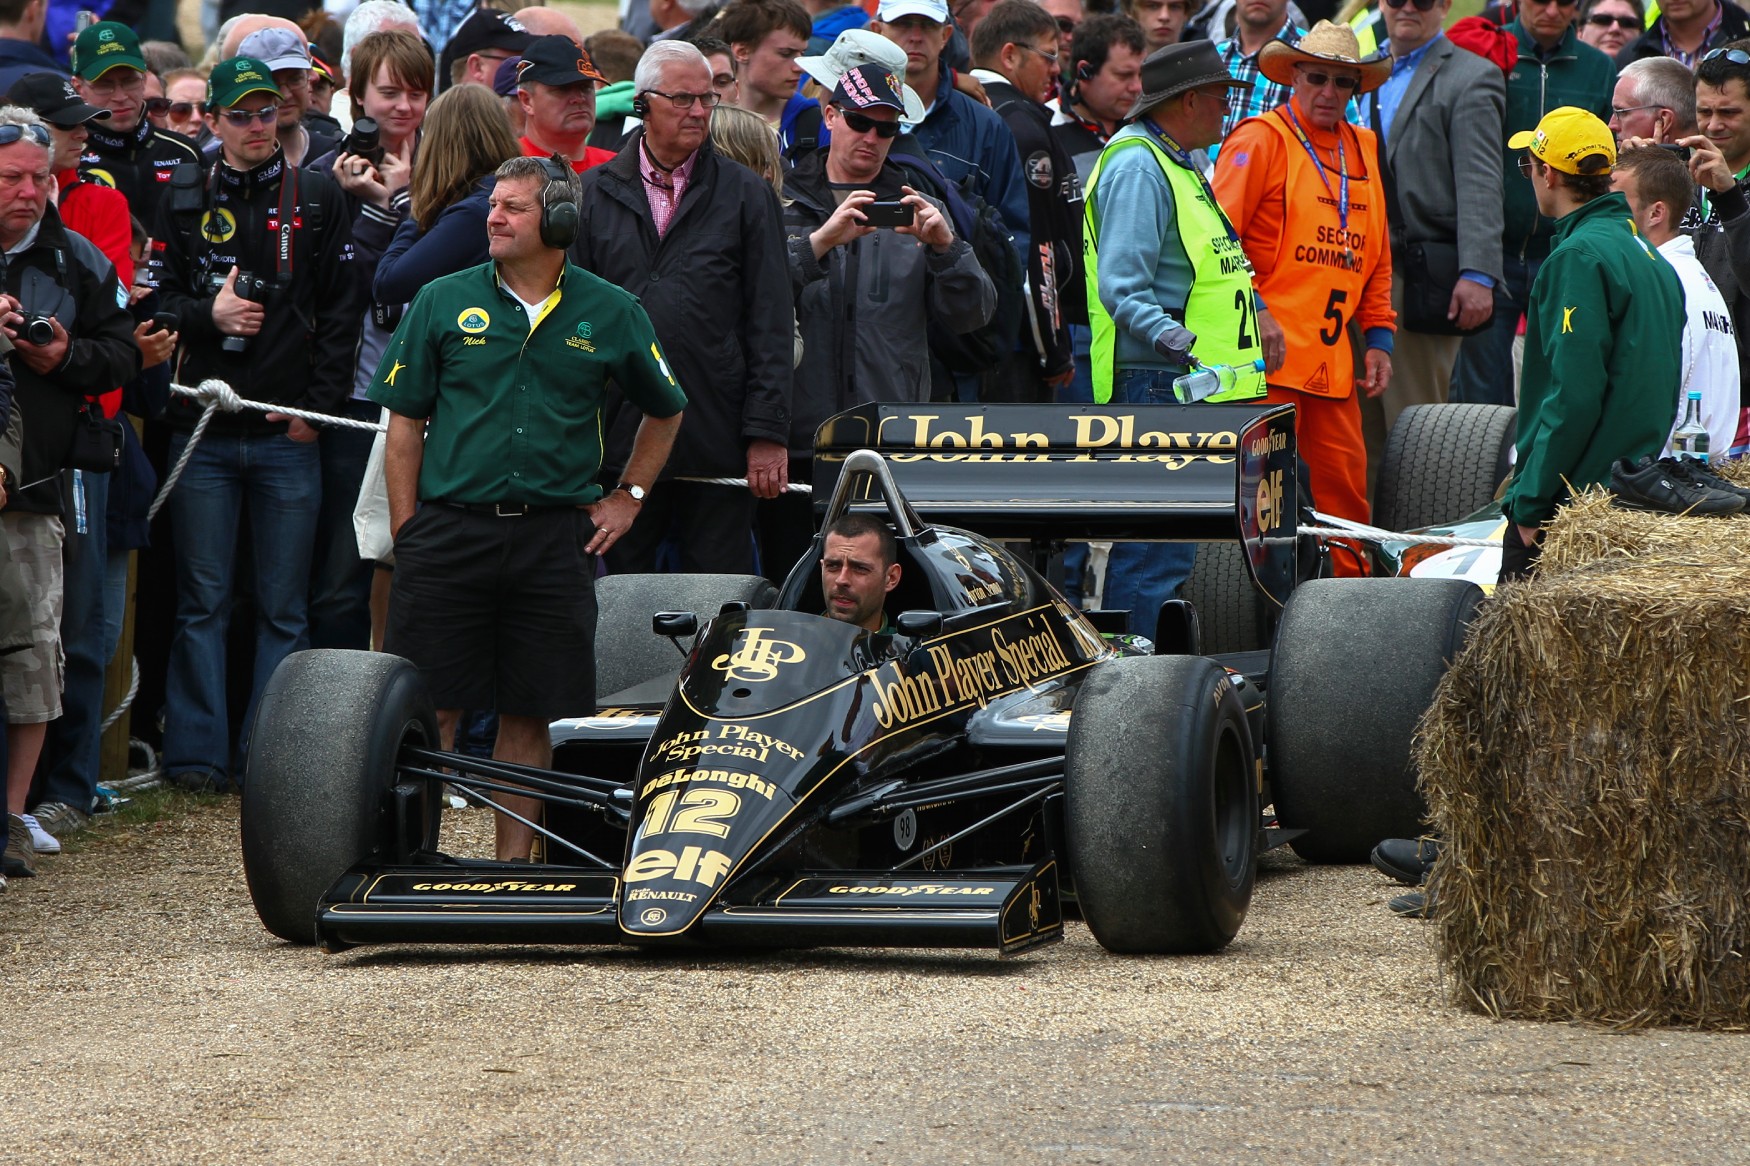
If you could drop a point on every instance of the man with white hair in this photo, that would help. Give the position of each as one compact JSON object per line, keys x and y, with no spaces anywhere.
{"x":555,"y":87}
{"x":700,"y":240}
{"x":375,"y":16}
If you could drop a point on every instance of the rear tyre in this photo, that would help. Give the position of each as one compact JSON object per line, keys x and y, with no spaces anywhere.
{"x":627,"y":652}
{"x":1355,"y":667}
{"x":1228,"y":605}
{"x":322,"y":755}
{"x":1442,"y":463}
{"x":1161,"y":805}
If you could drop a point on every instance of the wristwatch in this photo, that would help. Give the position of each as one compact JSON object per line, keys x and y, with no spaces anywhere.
{"x":637,"y":492}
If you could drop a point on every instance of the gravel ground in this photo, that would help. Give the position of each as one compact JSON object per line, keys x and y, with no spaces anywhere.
{"x":150,"y":1017}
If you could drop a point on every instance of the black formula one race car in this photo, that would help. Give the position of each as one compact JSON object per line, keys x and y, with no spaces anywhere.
{"x":805,"y":782}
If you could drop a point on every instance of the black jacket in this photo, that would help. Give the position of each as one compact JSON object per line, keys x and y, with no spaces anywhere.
{"x":1734,"y":25}
{"x":62,"y":274}
{"x":1056,"y":297}
{"x":138,"y":164}
{"x":305,"y":351}
{"x":717,"y":289}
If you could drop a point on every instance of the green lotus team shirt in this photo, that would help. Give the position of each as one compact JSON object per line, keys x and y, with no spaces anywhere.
{"x":514,"y":407}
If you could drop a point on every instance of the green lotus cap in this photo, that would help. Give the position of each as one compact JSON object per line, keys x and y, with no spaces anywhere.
{"x":232,"y":80}
{"x":103,"y":46}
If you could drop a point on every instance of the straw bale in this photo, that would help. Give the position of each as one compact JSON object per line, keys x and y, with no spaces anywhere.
{"x":1591,"y":527}
{"x":1587,"y":760}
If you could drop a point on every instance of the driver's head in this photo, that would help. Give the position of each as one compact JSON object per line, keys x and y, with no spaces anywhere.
{"x":859,"y":565}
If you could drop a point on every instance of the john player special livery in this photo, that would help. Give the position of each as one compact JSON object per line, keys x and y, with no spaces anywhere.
{"x":803,"y":781}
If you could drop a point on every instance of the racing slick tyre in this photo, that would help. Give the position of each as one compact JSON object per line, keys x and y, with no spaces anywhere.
{"x":1161,"y":805}
{"x":1442,"y":463}
{"x":627,"y":652}
{"x":321,"y":763}
{"x":1354,"y":669}
{"x":1228,"y":605}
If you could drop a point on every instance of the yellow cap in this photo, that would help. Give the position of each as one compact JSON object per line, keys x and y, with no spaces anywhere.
{"x":1565,"y":138}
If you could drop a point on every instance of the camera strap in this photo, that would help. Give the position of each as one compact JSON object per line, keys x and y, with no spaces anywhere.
{"x":287,"y":219}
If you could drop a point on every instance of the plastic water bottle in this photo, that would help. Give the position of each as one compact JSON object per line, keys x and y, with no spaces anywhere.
{"x":1206,"y":380}
{"x":1688,"y":439}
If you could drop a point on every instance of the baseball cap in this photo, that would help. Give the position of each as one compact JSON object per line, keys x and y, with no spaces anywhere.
{"x":504,"y":81}
{"x":232,"y":80}
{"x":321,"y":65}
{"x":936,"y":10}
{"x":1564,"y":140}
{"x":277,"y":48}
{"x":859,"y":46}
{"x":487,"y":28}
{"x":103,"y":46}
{"x":557,"y":60}
{"x":868,"y":86}
{"x":53,"y":99}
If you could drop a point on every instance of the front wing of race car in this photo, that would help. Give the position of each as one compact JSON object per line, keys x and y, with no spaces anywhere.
{"x":1010,"y":909}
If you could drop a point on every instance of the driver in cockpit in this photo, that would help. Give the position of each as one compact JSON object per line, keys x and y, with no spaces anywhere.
{"x":859,"y":565}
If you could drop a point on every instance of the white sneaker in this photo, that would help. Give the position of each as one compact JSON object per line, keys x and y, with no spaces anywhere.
{"x":44,"y":842}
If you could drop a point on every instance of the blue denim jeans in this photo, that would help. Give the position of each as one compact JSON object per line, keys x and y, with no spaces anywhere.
{"x":71,"y":750}
{"x":340,"y":581}
{"x":279,"y":481}
{"x":1484,"y":372}
{"x":1142,"y":576}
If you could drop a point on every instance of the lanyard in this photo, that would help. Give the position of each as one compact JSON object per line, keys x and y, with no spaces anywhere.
{"x":1342,"y":174}
{"x":1180,"y":155}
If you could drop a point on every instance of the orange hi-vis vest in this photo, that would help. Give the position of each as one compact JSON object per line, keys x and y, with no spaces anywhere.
{"x":1313,"y":281}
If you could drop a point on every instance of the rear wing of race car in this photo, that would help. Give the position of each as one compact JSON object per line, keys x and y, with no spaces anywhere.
{"x":1152,"y":473}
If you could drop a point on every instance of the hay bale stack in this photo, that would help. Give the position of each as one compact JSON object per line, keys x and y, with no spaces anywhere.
{"x":1591,"y":528}
{"x":1587,"y":760}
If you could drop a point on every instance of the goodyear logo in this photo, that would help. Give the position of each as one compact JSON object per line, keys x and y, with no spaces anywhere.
{"x":930,"y":890}
{"x":757,"y":658}
{"x":218,"y":225}
{"x":473,"y":320}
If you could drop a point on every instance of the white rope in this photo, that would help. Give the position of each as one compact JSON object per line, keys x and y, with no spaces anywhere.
{"x":218,"y":393}
{"x":1335,"y":527}
{"x":792,"y":488}
{"x":127,"y":701}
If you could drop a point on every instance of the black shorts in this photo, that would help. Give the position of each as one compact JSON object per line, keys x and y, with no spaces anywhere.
{"x":498,"y":613}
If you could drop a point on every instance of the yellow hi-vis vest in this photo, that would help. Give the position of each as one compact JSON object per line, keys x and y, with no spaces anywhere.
{"x":1220,"y":307}
{"x":1369,"y":27}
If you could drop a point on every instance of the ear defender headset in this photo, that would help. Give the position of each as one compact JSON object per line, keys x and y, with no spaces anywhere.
{"x":641,"y":107}
{"x":1083,"y":71}
{"x":558,"y":217}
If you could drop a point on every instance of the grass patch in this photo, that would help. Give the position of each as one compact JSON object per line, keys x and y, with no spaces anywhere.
{"x":143,"y":808}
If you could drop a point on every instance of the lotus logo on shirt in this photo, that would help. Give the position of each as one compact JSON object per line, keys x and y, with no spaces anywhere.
{"x":473,"y":320}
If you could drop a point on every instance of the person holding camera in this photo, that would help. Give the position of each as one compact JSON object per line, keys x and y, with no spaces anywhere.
{"x":70,"y":337}
{"x":255,"y":260}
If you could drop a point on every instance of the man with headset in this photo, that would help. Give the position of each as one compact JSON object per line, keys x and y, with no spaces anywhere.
{"x":495,"y":383}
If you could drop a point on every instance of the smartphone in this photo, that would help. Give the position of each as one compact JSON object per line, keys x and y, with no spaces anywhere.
{"x":164,"y":321}
{"x":84,"y":19}
{"x":1681,"y":151}
{"x":888,"y":214}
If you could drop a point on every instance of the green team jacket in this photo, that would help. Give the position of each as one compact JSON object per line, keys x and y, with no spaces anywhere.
{"x":1603,"y":354}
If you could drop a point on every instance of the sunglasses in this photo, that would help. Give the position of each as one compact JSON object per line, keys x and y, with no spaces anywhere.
{"x":243,"y":117}
{"x":1050,"y":57}
{"x":1343,"y":84}
{"x":1605,"y":20}
{"x":1527,"y":164}
{"x":1066,"y":25}
{"x":858,"y":124}
{"x":1733,"y":56}
{"x":1421,"y":5}
{"x":12,"y":133}
{"x":159,"y":106}
{"x":1547,"y":3}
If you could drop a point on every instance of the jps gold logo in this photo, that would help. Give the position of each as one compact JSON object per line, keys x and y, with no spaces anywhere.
{"x":757,"y":658}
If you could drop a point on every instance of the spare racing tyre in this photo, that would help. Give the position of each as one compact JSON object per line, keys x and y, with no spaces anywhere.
{"x":1161,"y":805}
{"x":627,"y":652}
{"x":1230,"y":611}
{"x":322,"y":755}
{"x":1354,"y":669}
{"x":1442,"y":463}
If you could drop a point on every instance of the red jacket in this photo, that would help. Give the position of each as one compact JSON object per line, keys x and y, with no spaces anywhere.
{"x":100,"y":213}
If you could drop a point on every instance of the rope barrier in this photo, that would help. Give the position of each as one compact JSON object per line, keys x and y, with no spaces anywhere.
{"x":1345,"y":528}
{"x":792,"y":488}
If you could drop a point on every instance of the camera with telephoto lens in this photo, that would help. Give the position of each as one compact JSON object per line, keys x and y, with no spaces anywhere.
{"x":37,"y":329}
{"x":364,"y":141}
{"x":249,"y":287}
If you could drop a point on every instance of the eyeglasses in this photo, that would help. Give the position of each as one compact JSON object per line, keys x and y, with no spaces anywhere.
{"x":184,"y":108}
{"x":1050,"y":57}
{"x":1605,"y":20}
{"x":1615,"y":112}
{"x":1421,"y":5}
{"x":241,"y":118}
{"x":1343,"y":83}
{"x":1734,"y":56}
{"x":1066,"y":25}
{"x":858,"y":124}
{"x":1527,"y":164}
{"x":13,"y":132}
{"x":687,"y":100}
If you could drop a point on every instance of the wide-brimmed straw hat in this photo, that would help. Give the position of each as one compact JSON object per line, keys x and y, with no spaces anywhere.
{"x":1324,"y":44}
{"x":1173,"y":69}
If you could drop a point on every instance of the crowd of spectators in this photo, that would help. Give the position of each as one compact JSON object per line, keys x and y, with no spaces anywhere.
{"x":818,"y":204}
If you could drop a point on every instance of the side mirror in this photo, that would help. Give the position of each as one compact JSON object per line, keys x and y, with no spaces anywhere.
{"x":918,"y":624}
{"x":733,"y":606}
{"x":675,"y":623}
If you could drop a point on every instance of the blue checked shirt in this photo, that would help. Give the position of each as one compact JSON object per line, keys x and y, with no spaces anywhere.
{"x":1265,"y":94}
